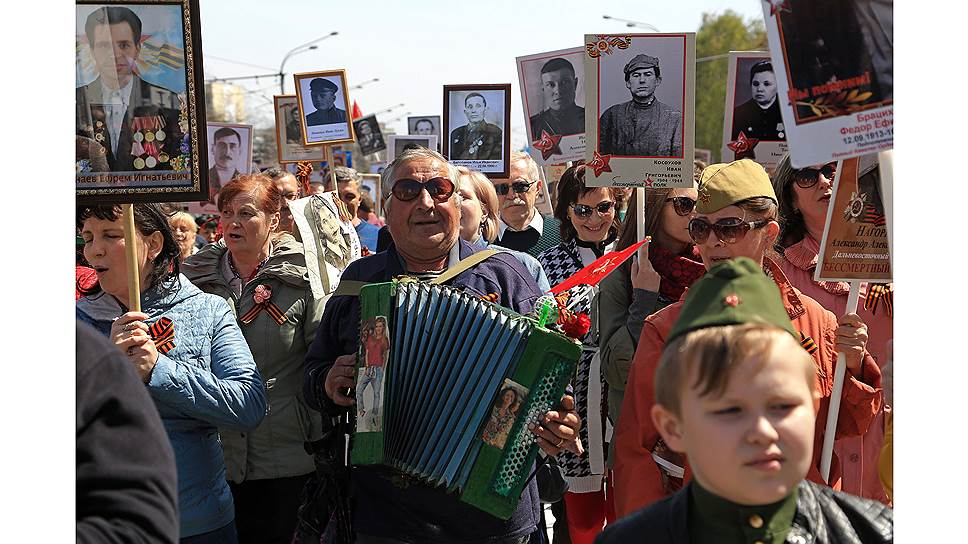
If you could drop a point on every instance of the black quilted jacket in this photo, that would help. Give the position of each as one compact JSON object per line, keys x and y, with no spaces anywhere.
{"x":824,"y":516}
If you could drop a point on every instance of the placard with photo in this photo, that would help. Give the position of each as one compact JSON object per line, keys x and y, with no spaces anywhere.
{"x":229,"y":154}
{"x":289,"y":142}
{"x":478,"y":123}
{"x":753,"y":128}
{"x":368,"y":135}
{"x":138,"y":118}
{"x":424,"y":125}
{"x":324,"y":104}
{"x":370,"y":185}
{"x":640,"y":119}
{"x":397,"y":142}
{"x":554,"y":103}
{"x":834,"y":63}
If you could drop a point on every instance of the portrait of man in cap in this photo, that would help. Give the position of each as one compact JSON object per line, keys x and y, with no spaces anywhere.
{"x":643,"y":126}
{"x":323,"y":94}
{"x":478,"y":139}
{"x":561,"y":115}
{"x":368,"y":135}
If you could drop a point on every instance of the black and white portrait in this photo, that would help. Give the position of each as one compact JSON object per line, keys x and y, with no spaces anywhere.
{"x":641,"y":95}
{"x":425,"y":125}
{"x":368,"y":135}
{"x":324,"y":105}
{"x":757,"y":111}
{"x":553,"y":92}
{"x":396,"y":143}
{"x":229,"y":154}
{"x":289,"y":142}
{"x":477,"y":120}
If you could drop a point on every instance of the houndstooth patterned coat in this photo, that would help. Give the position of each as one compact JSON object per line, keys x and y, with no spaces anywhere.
{"x":584,"y":474}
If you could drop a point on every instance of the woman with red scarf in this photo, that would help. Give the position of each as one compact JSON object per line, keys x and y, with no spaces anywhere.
{"x":633,"y":291}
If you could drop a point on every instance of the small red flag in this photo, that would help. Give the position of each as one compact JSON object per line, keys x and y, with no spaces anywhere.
{"x":596,"y":272}
{"x":357,"y":112}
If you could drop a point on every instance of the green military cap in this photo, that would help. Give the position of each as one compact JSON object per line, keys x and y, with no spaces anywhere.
{"x":733,"y":292}
{"x":723,"y":185}
{"x":319,"y":84}
{"x":640,"y":61}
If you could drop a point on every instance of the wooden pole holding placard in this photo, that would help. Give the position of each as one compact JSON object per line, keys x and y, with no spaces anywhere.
{"x":131,"y":256}
{"x":833,"y":411}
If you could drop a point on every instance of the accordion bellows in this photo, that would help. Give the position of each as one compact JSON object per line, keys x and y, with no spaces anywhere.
{"x":447,"y":384}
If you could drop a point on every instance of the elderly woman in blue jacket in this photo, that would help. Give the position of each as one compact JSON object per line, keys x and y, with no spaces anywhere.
{"x":187,"y":348}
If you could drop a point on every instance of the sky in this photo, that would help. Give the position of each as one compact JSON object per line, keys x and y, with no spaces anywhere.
{"x":416,"y":47}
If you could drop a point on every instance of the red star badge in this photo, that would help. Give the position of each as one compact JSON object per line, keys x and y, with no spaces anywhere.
{"x":649,"y":182}
{"x":742,"y":144}
{"x":599,"y":163}
{"x":548,"y":144}
{"x":731,"y":300}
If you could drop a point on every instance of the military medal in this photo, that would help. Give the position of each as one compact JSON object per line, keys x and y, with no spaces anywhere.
{"x":855,"y":207}
{"x":137,"y":136}
{"x":139,"y":163}
{"x":779,"y":130}
{"x":150,"y":162}
{"x":163,"y":158}
{"x":149,"y":136}
{"x":99,"y":137}
{"x":160,"y":135}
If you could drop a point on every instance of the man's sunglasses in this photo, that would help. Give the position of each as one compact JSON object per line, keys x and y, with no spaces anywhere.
{"x":406,"y":189}
{"x":682,"y":204}
{"x":583,"y":211}
{"x":806,"y":178}
{"x":729,"y":230}
{"x":518,"y":186}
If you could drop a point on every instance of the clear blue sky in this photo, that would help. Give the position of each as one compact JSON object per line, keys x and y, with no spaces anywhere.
{"x":415,"y":47}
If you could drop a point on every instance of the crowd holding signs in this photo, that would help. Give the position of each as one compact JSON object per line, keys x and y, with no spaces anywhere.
{"x":429,"y":352}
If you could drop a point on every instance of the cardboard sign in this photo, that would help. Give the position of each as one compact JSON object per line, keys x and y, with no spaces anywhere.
{"x":553,"y":97}
{"x":855,"y":241}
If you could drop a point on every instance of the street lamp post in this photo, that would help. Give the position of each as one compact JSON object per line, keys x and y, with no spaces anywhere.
{"x":308,"y":46}
{"x":632,"y":24}
{"x":391,"y":108}
{"x":361,"y":85}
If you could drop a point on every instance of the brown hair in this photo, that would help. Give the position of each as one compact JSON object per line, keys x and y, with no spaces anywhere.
{"x":654,"y":201}
{"x":260,"y":186}
{"x":716,"y":353}
{"x":792,"y":226}
{"x":570,"y":189}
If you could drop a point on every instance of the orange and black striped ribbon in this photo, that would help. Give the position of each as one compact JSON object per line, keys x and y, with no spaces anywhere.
{"x":163,"y":334}
{"x":270,"y":308}
{"x":880,"y":292}
{"x":808,"y":344}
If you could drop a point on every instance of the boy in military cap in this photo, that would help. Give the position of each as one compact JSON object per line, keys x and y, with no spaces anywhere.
{"x":736,"y":393}
{"x":736,"y":217}
{"x":323,"y":94}
{"x":643,"y":126}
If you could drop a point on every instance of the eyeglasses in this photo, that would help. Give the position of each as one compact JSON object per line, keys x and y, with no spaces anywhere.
{"x":583,"y":211}
{"x":439,"y":189}
{"x":806,"y":178}
{"x":518,"y":186}
{"x":729,"y":230}
{"x":682,"y":204}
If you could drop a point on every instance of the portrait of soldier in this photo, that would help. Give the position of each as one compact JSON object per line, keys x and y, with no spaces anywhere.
{"x":226,"y":149}
{"x":478,"y":139}
{"x":759,"y":117}
{"x":560,"y":114}
{"x":369,"y":138}
{"x":644,"y":126}
{"x":118,"y":113}
{"x":293,"y":130}
{"x":323,"y":94}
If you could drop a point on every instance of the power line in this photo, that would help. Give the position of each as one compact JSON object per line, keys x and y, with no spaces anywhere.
{"x":239,"y":62}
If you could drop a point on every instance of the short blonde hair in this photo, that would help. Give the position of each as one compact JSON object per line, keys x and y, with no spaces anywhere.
{"x":485,"y":192}
{"x":716,"y":353}
{"x":183,"y":217}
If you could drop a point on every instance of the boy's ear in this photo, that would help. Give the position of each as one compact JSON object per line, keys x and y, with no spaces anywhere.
{"x":669,"y":427}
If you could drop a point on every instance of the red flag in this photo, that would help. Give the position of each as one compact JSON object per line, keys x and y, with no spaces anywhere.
{"x":596,"y":272}
{"x":357,"y":112}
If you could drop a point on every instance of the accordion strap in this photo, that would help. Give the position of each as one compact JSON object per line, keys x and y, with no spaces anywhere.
{"x":352,"y":288}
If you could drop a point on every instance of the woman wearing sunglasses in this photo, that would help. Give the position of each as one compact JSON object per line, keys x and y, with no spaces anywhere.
{"x":805,"y":195}
{"x":736,"y":217}
{"x":633,"y":292}
{"x":589,"y":228}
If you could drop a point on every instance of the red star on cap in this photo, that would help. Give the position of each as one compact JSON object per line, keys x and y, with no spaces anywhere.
{"x":732,"y":300}
{"x":742,"y":144}
{"x":599,"y":163}
{"x":548,"y":144}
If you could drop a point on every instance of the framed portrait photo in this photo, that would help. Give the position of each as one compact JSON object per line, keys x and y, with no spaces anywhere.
{"x":424,"y":125}
{"x":368,"y":135}
{"x":396,"y":143}
{"x":139,"y":119}
{"x":834,"y":66}
{"x":324,"y":105}
{"x":752,"y":126}
{"x":640,"y":119}
{"x":477,"y":119}
{"x":229,"y":154}
{"x":370,"y":185}
{"x":289,"y":140}
{"x":553,"y":97}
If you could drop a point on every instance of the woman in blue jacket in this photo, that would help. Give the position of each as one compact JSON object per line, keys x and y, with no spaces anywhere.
{"x":187,"y":348}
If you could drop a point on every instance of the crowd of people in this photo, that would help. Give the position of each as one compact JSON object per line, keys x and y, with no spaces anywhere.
{"x":700,"y":396}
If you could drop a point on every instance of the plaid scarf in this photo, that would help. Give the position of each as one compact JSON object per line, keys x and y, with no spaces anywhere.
{"x":677,"y":271}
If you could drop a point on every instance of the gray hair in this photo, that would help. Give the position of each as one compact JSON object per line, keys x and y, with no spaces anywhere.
{"x":347,"y":175}
{"x":533,"y":173}
{"x":389,"y":173}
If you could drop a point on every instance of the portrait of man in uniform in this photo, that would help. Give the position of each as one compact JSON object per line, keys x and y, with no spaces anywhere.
{"x":229,"y":154}
{"x":293,"y":131}
{"x":478,"y":139}
{"x":561,"y":115}
{"x":368,"y":135}
{"x":643,"y":126}
{"x":322,"y":92}
{"x":759,"y":117}
{"x":124,"y":123}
